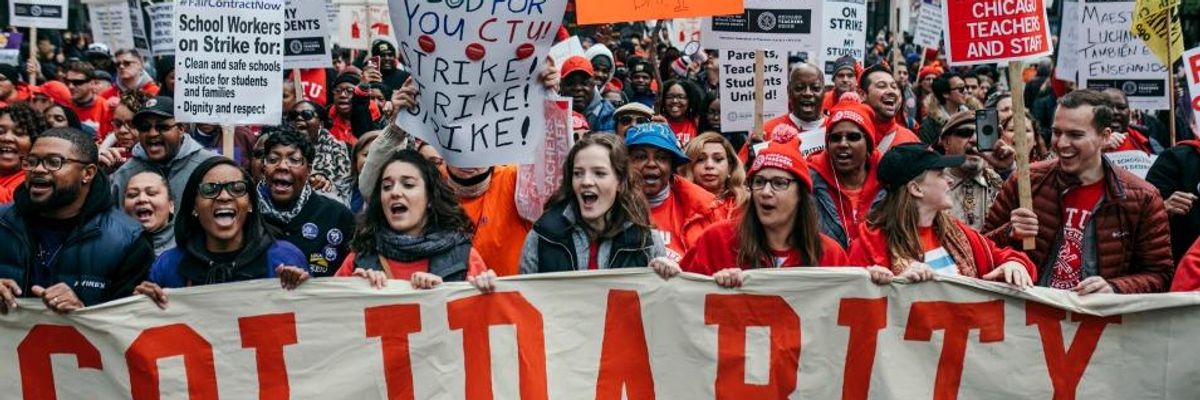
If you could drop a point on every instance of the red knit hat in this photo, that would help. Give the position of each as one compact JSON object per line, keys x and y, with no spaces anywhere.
{"x":783,"y":153}
{"x":934,"y":70}
{"x":850,"y":108}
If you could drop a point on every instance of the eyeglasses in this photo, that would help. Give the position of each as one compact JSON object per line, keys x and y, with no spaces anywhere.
{"x":630,"y":119}
{"x":118,"y":124}
{"x":77,"y":82}
{"x":837,"y":137}
{"x":52,"y":163}
{"x":159,"y":127}
{"x":344,"y":91}
{"x":963,"y":133}
{"x":212,"y":190}
{"x":286,"y":161}
{"x":126,"y":63}
{"x":962,"y":89}
{"x":778,"y":184}
{"x":304,"y":115}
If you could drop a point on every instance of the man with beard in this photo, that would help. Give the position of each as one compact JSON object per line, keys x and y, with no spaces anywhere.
{"x":641,"y":79}
{"x":578,"y":84}
{"x":882,"y":94}
{"x":845,"y":80}
{"x":19,"y":125}
{"x":319,"y":226}
{"x":1125,"y":135}
{"x":63,"y":240}
{"x":844,"y":180}
{"x":389,"y":66}
{"x":162,"y":146}
{"x":973,"y":184}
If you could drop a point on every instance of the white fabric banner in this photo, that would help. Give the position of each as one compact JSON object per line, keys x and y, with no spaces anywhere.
{"x":798,"y":333}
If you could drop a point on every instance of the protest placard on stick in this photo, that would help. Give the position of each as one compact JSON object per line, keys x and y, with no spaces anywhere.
{"x":991,"y":31}
{"x":738,"y":88}
{"x":607,"y":11}
{"x":305,"y":35}
{"x":162,"y":28}
{"x":844,"y":33}
{"x":111,"y":24}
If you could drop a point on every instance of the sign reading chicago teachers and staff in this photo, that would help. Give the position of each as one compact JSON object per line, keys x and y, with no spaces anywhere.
{"x":227,"y":54}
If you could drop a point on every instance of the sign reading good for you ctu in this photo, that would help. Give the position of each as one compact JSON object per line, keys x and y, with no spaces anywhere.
{"x":228,"y":56}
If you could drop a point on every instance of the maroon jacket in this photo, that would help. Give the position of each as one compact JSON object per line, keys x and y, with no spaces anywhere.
{"x":1132,"y":237}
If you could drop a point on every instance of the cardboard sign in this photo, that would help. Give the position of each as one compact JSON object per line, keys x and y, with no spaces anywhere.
{"x":359,"y":24}
{"x":10,"y":48}
{"x":47,"y":14}
{"x":991,"y":31}
{"x":228,"y":64}
{"x":928,"y":33}
{"x":162,"y":28}
{"x":305,"y":37}
{"x":1135,"y":161}
{"x":1191,"y":66}
{"x":476,"y":66}
{"x":737,"y":88}
{"x":537,"y":182}
{"x":790,"y":26}
{"x":1115,"y":58}
{"x":111,"y":24}
{"x":589,"y":12}
{"x":844,"y":33}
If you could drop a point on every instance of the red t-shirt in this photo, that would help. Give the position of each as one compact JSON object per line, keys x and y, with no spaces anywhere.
{"x":685,"y":129}
{"x":1078,"y":206}
{"x":593,"y":256}
{"x":95,"y":115}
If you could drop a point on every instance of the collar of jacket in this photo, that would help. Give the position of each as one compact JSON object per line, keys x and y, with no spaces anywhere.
{"x":1113,"y":187}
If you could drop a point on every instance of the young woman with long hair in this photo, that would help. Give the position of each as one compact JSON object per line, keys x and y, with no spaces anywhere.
{"x":715,"y":167}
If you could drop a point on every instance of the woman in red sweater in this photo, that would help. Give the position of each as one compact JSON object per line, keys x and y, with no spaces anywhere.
{"x":778,"y":228}
{"x":911,"y":236}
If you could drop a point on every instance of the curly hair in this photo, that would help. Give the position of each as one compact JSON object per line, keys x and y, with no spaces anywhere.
{"x":134,"y":100}
{"x":27,"y":120}
{"x":445,"y":213}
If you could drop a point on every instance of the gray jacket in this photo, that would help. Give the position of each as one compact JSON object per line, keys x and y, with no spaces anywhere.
{"x":190,"y":155}
{"x":827,"y":211}
{"x":529,"y":251}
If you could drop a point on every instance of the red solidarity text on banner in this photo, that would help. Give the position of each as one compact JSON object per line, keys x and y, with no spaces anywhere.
{"x":991,"y":31}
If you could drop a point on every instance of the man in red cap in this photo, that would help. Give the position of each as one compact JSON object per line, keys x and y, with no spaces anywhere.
{"x":577,"y":84}
{"x":882,"y":94}
{"x":844,"y":182}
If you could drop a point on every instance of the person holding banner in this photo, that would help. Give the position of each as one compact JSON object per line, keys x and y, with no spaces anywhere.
{"x":881,"y":92}
{"x":912,"y":236}
{"x":777,"y":228}
{"x":715,"y":167}
{"x":1176,"y":175}
{"x":1097,"y":228}
{"x":19,"y":125}
{"x":680,"y":209}
{"x":131,"y":75}
{"x":219,"y":238}
{"x":844,"y":184}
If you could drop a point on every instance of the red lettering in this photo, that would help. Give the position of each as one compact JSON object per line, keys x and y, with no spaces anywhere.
{"x":733,"y":314}
{"x":267,"y":335}
{"x":169,"y":341}
{"x":1066,"y":366}
{"x":865,"y":317}
{"x":957,"y":319}
{"x":473,"y":315}
{"x":1193,"y":63}
{"x":33,"y":354}
{"x":624,"y":358}
{"x":392,"y":324}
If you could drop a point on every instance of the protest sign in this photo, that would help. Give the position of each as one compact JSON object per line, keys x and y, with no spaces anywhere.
{"x":588,"y":12}
{"x":10,"y":48}
{"x":1113,"y":57}
{"x":563,"y":50}
{"x":537,"y":182}
{"x":1156,"y":22}
{"x":162,"y":28}
{"x":685,"y":34}
{"x":360,"y":23}
{"x":331,"y":14}
{"x":138,"y":27}
{"x":928,"y":33}
{"x":737,"y":87}
{"x":790,"y":26}
{"x":802,"y":333}
{"x":1066,"y":66}
{"x":228,"y":58}
{"x":991,"y":31}
{"x":1191,"y":66}
{"x":1135,"y":161}
{"x":305,"y":40}
{"x":812,"y":142}
{"x":844,"y":33}
{"x":111,"y":24}
{"x":476,"y":66}
{"x":48,"y":14}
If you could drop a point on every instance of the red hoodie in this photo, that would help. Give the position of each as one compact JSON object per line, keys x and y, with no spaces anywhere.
{"x":1187,"y":275}
{"x":686,"y":213}
{"x":889,"y":134}
{"x":871,"y":249}
{"x":717,"y":249}
{"x":851,"y":211}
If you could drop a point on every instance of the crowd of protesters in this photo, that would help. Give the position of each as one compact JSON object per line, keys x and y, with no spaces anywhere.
{"x":107,"y":195}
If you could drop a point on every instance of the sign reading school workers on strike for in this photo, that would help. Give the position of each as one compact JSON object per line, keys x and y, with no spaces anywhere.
{"x":48,"y":14}
{"x":992,"y":31}
{"x":588,"y":12}
{"x":162,"y":28}
{"x":790,"y":26}
{"x":1111,"y":56}
{"x":305,"y":37}
{"x":844,"y":33}
{"x":737,"y":87}
{"x":1191,"y":66}
{"x":476,"y":65}
{"x":799,"y":333}
{"x":110,"y":22}
{"x":228,"y":54}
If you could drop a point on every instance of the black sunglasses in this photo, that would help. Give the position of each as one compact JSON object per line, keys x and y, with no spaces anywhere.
{"x":631,"y":119}
{"x":837,"y":137}
{"x":159,"y":127}
{"x":301,"y":115}
{"x":77,"y":82}
{"x":213,"y":190}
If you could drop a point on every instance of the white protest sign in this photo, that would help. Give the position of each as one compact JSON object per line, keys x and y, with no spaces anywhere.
{"x":48,"y":14}
{"x":685,"y":34}
{"x":476,"y":65}
{"x":162,"y":28}
{"x":812,"y":141}
{"x":563,"y":50}
{"x":137,"y":26}
{"x":1069,"y":43}
{"x":1135,"y":161}
{"x":1113,"y":57}
{"x":228,"y":58}
{"x":928,"y":33}
{"x":360,"y":24}
{"x":737,"y":88}
{"x":306,"y":40}
{"x":538,"y":181}
{"x":111,"y":23}
{"x":1191,"y":68}
{"x":844,"y":33}
{"x":790,"y":26}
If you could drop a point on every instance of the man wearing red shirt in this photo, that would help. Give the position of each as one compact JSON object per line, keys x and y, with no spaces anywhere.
{"x":131,"y":74}
{"x":881,"y":92}
{"x":92,"y":110}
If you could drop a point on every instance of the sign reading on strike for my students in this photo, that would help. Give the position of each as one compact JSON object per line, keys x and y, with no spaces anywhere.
{"x":48,"y":14}
{"x":991,"y":31}
{"x":306,"y":35}
{"x":475,"y":64}
{"x":228,"y":57}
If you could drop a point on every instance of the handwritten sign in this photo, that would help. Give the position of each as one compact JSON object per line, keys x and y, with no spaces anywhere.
{"x":136,"y":24}
{"x":844,"y":33}
{"x":609,"y":11}
{"x":476,"y":65}
{"x":1113,"y":57}
{"x":929,"y":24}
{"x":162,"y":28}
{"x":685,"y":34}
{"x":1070,"y":43}
{"x":48,"y":14}
{"x":737,"y":88}
{"x":111,"y":23}
{"x":990,"y":31}
{"x":1191,"y":65}
{"x":538,"y":181}
{"x":305,"y":38}
{"x":767,"y":24}
{"x":228,"y":61}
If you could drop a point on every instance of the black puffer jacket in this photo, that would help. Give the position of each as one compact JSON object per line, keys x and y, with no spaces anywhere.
{"x":1178,"y":170}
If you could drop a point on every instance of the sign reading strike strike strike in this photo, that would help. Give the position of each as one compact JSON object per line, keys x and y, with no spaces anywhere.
{"x":49,"y":14}
{"x":990,"y":31}
{"x":476,"y":65}
{"x":228,"y":58}
{"x":306,"y":37}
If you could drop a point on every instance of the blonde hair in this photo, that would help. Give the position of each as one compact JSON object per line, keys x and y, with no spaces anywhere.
{"x":735,"y":185}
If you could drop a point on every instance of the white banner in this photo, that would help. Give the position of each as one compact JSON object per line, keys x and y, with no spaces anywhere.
{"x":1115,"y":58}
{"x":737,"y":88}
{"x":357,"y":28}
{"x":481,"y":103}
{"x":162,"y":28}
{"x":783,"y":25}
{"x":48,"y":14}
{"x":796,"y":333}
{"x":1135,"y":161}
{"x":111,"y":23}
{"x":228,"y":62}
{"x":306,"y":37}
{"x":1191,"y":68}
{"x":928,"y":33}
{"x":844,"y":33}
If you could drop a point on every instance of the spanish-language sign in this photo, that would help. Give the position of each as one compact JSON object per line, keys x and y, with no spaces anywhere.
{"x":360,"y":23}
{"x":928,"y":32}
{"x":111,"y":24}
{"x":1191,"y":66}
{"x":790,"y":26}
{"x":798,"y":333}
{"x":306,"y":40}
{"x":737,"y":87}
{"x":1113,"y":57}
{"x":228,"y":58}
{"x":136,"y":25}
{"x":1135,"y":161}
{"x":10,"y":48}
{"x":162,"y":28}
{"x":844,"y":33}
{"x":991,"y":31}
{"x":476,"y":64}
{"x":48,"y":14}
{"x":537,"y":182}
{"x":589,"y":12}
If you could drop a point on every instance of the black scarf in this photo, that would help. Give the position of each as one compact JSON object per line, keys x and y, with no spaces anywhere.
{"x":447,"y":251}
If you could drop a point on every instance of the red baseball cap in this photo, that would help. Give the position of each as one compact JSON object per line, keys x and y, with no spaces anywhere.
{"x":783,"y":153}
{"x":577,"y":64}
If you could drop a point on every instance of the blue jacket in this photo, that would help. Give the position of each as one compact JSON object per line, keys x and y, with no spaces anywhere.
{"x":165,"y":271}
{"x":600,"y":115}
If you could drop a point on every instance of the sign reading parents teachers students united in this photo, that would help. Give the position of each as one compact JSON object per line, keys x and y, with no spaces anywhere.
{"x":990,"y":31}
{"x":228,"y":57}
{"x":475,"y":63}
